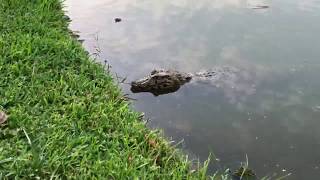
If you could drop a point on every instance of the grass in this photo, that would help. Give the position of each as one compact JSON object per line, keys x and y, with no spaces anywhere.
{"x":67,"y":117}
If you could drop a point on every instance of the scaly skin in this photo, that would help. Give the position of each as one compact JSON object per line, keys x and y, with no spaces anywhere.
{"x":161,"y":82}
{"x":168,"y":81}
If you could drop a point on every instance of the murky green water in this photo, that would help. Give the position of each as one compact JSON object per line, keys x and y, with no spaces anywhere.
{"x":271,"y":111}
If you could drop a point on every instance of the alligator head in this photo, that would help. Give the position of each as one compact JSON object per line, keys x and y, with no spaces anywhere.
{"x":160,"y":82}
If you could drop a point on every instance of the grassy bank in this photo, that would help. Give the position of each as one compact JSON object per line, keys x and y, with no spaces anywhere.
{"x":67,"y":118}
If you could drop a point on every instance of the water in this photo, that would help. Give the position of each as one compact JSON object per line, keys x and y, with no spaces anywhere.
{"x":270,"y":111}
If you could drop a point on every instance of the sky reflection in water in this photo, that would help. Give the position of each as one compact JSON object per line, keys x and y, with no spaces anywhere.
{"x":268,"y":110}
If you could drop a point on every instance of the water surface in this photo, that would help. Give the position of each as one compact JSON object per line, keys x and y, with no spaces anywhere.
{"x":270,"y":111}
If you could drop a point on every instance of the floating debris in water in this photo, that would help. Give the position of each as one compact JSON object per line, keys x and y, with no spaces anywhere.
{"x":116,"y":20}
{"x":81,"y":40}
{"x":74,"y":34}
{"x":141,"y":116}
{"x":67,"y":18}
{"x":260,"y":7}
{"x":244,"y":173}
{"x":3,"y":117}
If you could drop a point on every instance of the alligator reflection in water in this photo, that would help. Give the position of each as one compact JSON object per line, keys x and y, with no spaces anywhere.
{"x":167,"y":81}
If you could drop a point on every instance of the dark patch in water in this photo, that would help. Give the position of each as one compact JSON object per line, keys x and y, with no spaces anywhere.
{"x":117,"y":20}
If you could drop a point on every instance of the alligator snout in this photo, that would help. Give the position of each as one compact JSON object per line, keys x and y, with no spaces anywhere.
{"x":139,"y":86}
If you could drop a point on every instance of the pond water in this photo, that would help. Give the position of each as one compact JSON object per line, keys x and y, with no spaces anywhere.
{"x":269,"y":112}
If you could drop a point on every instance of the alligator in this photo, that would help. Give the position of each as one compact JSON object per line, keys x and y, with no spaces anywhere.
{"x":167,"y":81}
{"x":161,"y":82}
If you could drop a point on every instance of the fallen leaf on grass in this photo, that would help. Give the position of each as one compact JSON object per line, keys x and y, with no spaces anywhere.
{"x":152,"y":143}
{"x":3,"y":117}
